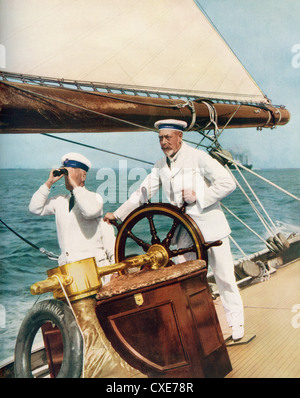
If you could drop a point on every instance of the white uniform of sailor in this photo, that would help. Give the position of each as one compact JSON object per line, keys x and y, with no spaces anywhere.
{"x":81,"y":232}
{"x":194,"y":169}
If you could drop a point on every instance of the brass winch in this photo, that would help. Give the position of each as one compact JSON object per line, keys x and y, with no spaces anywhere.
{"x":82,"y":278}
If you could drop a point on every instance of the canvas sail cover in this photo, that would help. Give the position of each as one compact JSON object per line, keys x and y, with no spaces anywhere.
{"x":165,"y":45}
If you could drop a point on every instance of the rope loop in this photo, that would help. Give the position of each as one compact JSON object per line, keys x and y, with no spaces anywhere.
{"x":190,"y":104}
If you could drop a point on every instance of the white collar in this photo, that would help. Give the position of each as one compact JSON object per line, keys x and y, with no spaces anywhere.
{"x":174,"y":158}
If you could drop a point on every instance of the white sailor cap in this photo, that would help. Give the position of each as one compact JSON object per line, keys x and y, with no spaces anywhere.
{"x":76,"y":160}
{"x":173,"y":124}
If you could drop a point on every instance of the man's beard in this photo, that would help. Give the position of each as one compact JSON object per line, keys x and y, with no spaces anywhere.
{"x":169,"y":152}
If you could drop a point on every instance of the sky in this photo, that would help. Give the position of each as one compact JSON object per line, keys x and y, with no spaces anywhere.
{"x":265,"y":35}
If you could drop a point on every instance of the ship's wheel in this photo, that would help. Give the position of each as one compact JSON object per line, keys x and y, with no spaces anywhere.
{"x":160,"y":224}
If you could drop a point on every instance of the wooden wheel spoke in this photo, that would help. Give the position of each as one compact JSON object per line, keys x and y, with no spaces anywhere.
{"x":158,"y":224}
{"x":178,"y":252}
{"x":155,"y":239}
{"x":139,"y":241}
{"x":167,"y":241}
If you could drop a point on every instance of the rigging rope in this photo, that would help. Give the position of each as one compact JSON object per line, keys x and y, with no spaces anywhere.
{"x":239,"y":247}
{"x":104,"y":150}
{"x":256,"y":197}
{"x":213,"y":118}
{"x":277,"y":241}
{"x":228,"y":121}
{"x":176,"y":106}
{"x":50,"y":255}
{"x":274,"y":242}
{"x":259,"y":176}
{"x":76,"y":319}
{"x":192,"y":108}
{"x":247,"y":226}
{"x":77,"y":106}
{"x":250,"y":202}
{"x":100,"y":94}
{"x":213,"y":121}
{"x":96,"y":148}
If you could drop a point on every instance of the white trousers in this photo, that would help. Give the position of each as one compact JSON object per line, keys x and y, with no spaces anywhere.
{"x":221,"y":262}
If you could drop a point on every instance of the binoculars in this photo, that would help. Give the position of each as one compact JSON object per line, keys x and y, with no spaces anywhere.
{"x":59,"y":172}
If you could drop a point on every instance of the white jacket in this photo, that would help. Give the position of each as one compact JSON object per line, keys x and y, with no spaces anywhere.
{"x":81,"y":232}
{"x":190,"y":169}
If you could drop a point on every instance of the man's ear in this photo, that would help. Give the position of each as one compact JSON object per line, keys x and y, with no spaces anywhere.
{"x":83,"y":176}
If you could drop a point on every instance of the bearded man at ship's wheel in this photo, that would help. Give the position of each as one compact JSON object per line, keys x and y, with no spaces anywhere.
{"x":191,"y":176}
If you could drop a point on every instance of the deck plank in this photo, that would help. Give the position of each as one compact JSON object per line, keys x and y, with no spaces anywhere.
{"x":275,"y":351}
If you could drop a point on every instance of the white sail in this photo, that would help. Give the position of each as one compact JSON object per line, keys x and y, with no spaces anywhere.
{"x":167,"y":45}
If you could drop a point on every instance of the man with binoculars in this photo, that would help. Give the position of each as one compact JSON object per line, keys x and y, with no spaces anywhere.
{"x":80,"y":229}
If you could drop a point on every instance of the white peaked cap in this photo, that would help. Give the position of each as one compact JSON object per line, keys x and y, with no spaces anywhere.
{"x":170,"y":124}
{"x":76,"y":160}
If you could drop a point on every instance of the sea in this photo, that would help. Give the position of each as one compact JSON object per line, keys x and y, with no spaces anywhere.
{"x":21,"y":265}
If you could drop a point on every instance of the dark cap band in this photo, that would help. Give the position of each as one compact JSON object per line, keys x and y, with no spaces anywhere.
{"x":170,"y":126}
{"x":75,"y":164}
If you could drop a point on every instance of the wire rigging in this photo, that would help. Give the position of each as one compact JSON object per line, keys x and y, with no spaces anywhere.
{"x":214,"y":144}
{"x":50,"y":255}
{"x":97,"y":149}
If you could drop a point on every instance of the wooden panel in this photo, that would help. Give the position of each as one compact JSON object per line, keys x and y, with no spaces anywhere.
{"x":149,"y":337}
{"x":161,"y":336}
{"x":207,"y":340}
{"x":133,"y":331}
{"x":204,"y":322}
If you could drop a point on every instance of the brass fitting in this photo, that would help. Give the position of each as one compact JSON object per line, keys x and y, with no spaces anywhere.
{"x":83,"y":278}
{"x":79,"y":279}
{"x":50,"y":285}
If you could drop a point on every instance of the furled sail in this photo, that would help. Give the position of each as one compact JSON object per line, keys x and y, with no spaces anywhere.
{"x":164,"y":46}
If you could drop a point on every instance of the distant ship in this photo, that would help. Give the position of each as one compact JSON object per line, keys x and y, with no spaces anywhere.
{"x":242,"y":159}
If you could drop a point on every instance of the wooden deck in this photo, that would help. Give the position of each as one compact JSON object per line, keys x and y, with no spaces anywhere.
{"x":275,"y":350}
